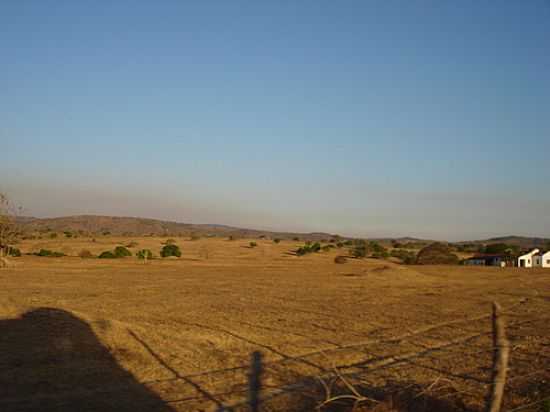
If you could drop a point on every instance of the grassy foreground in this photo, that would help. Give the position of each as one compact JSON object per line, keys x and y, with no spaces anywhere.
{"x":176,"y":334}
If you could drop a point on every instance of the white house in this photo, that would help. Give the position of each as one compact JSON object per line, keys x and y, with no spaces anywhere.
{"x":528,"y":260}
{"x":542,"y":259}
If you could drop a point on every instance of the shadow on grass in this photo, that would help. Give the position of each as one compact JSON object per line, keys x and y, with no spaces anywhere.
{"x":394,"y":397}
{"x":50,"y":360}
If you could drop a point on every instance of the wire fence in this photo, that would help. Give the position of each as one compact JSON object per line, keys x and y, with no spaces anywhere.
{"x":444,"y":366}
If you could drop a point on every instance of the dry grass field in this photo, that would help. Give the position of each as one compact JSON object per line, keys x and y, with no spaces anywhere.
{"x":177,"y":334}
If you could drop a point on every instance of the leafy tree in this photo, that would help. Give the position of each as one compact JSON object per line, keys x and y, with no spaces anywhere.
{"x":8,"y":224}
{"x":49,"y":253}
{"x":501,"y":248}
{"x":170,"y":250}
{"x":107,"y":255}
{"x":437,"y":254}
{"x":144,"y":254}
{"x":13,"y":251}
{"x":121,"y":251}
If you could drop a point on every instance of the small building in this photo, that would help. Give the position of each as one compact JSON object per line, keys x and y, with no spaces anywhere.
{"x":491,"y":260}
{"x":529,"y":260}
{"x":541,"y":259}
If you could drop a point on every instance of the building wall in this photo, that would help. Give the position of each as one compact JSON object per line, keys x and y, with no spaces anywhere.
{"x":546,"y":260}
{"x":528,"y":259}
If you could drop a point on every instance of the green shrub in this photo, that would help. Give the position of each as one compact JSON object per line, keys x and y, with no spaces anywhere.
{"x":121,"y":251}
{"x":253,"y":244}
{"x":359,"y":251}
{"x":68,"y":234}
{"x":326,"y":248}
{"x":53,"y":235}
{"x":145,"y":254}
{"x":308,"y":248}
{"x":107,"y":255}
{"x":276,"y":240}
{"x":49,"y":253}
{"x":13,"y":252}
{"x":85,"y":254}
{"x":170,"y":250}
{"x":406,"y":257}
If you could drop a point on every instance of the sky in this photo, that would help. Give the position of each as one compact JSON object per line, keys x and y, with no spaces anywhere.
{"x":362,"y":118}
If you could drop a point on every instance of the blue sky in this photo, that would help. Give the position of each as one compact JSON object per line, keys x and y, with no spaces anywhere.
{"x":365,"y":118}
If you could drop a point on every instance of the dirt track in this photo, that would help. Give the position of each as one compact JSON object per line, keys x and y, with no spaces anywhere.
{"x":178,"y":334}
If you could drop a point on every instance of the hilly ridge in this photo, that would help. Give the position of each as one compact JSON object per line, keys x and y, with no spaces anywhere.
{"x":137,"y":226}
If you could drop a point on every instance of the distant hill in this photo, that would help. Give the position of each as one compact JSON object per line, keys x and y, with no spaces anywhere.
{"x":136,"y":226}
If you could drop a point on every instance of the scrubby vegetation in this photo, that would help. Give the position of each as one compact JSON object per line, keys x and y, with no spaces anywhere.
{"x":308,"y":248}
{"x":121,"y":251}
{"x":437,"y":254}
{"x":170,"y":250}
{"x":108,"y":254}
{"x":49,"y":253}
{"x":362,"y":249}
{"x":13,"y":251}
{"x":406,"y":256}
{"x":501,"y":248}
{"x":144,"y":254}
{"x":252,"y":244}
{"x":276,"y":240}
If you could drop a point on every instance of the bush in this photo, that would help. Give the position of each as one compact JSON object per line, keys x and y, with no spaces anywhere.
{"x":296,"y":239}
{"x":308,"y":248}
{"x":359,"y":251}
{"x":170,"y":250}
{"x":145,"y":254}
{"x":107,"y":255}
{"x":501,"y":248}
{"x":340,"y":259}
{"x":53,"y":235}
{"x":326,"y":248}
{"x":253,"y":244}
{"x":85,"y":254}
{"x":13,"y":252}
{"x":406,"y":257}
{"x":49,"y":253}
{"x":437,"y":254}
{"x":277,"y":240}
{"x":68,"y":234}
{"x":121,"y":251}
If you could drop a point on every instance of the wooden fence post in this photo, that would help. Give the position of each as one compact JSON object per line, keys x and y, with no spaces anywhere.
{"x":255,"y":382}
{"x":501,"y":348}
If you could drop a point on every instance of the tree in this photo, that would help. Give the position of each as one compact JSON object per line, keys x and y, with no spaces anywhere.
{"x":8,"y":226}
{"x":170,"y":250}
{"x":437,"y":254}
{"x":121,"y":251}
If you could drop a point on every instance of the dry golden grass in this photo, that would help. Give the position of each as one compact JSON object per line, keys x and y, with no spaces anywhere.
{"x":176,"y":334}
